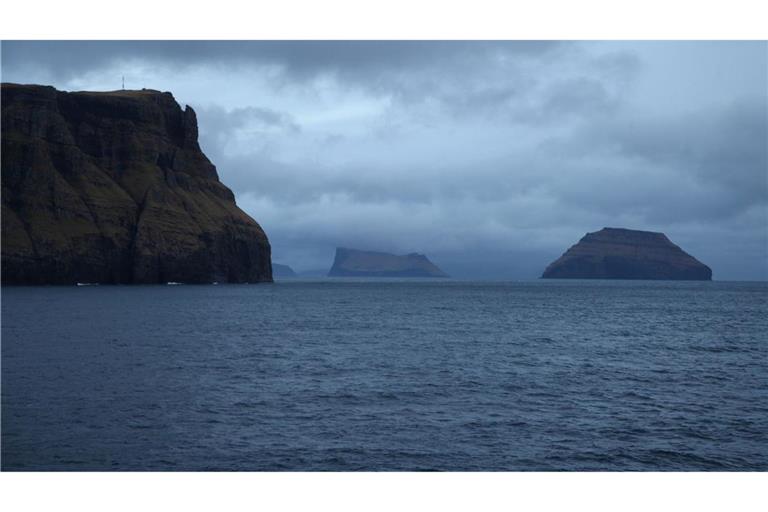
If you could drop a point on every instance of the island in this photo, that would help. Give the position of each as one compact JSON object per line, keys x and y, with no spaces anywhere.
{"x":113,"y":188}
{"x":618,"y":253}
{"x":282,"y":271}
{"x":356,"y":263}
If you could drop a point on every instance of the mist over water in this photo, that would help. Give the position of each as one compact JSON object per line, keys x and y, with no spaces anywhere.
{"x":387,"y":375}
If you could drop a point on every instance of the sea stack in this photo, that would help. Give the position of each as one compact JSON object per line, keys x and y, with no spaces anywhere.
{"x":356,"y":263}
{"x":112,"y":187}
{"x":617,"y":253}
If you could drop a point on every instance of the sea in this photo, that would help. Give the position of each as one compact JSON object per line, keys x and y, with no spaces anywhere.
{"x":386,"y":375}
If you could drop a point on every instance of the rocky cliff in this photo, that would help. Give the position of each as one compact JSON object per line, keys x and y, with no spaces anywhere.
{"x":614,"y":253}
{"x":355,"y":263}
{"x":112,"y":187}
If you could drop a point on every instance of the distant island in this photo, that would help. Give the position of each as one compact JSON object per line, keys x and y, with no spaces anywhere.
{"x":617,"y":253}
{"x":356,"y":263}
{"x":112,"y":187}
{"x":282,"y":271}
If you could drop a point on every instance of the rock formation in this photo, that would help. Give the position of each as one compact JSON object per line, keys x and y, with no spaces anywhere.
{"x":354,"y":263}
{"x":112,"y":187}
{"x":615,"y":253}
{"x":282,"y":271}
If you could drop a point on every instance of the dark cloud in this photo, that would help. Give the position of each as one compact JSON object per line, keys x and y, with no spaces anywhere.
{"x":299,"y":58}
{"x":708,"y":165}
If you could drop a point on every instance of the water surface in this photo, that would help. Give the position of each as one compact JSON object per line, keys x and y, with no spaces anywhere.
{"x":387,"y":375}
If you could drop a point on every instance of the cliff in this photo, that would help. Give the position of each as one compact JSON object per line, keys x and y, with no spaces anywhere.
{"x":112,"y":187}
{"x":354,"y":263}
{"x":614,"y":253}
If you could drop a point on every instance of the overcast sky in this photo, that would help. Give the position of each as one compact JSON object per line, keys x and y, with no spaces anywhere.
{"x":490,"y":157}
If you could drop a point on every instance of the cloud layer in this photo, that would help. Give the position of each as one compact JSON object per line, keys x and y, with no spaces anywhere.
{"x":491,"y":157}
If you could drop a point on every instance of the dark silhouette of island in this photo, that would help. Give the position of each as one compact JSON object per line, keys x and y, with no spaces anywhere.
{"x":112,"y":187}
{"x":355,"y":263}
{"x":313,"y":273}
{"x":617,"y":253}
{"x":282,"y":271}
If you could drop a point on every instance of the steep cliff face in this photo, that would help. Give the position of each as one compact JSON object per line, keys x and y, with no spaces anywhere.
{"x":112,"y":187}
{"x":614,"y":253}
{"x":355,"y":263}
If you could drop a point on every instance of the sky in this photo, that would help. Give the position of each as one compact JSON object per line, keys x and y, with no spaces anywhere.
{"x":491,"y":157}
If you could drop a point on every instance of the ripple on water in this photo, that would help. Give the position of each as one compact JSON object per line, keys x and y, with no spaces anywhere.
{"x":349,"y":376}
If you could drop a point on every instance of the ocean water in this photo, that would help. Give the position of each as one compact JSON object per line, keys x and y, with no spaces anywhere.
{"x":347,"y":375}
